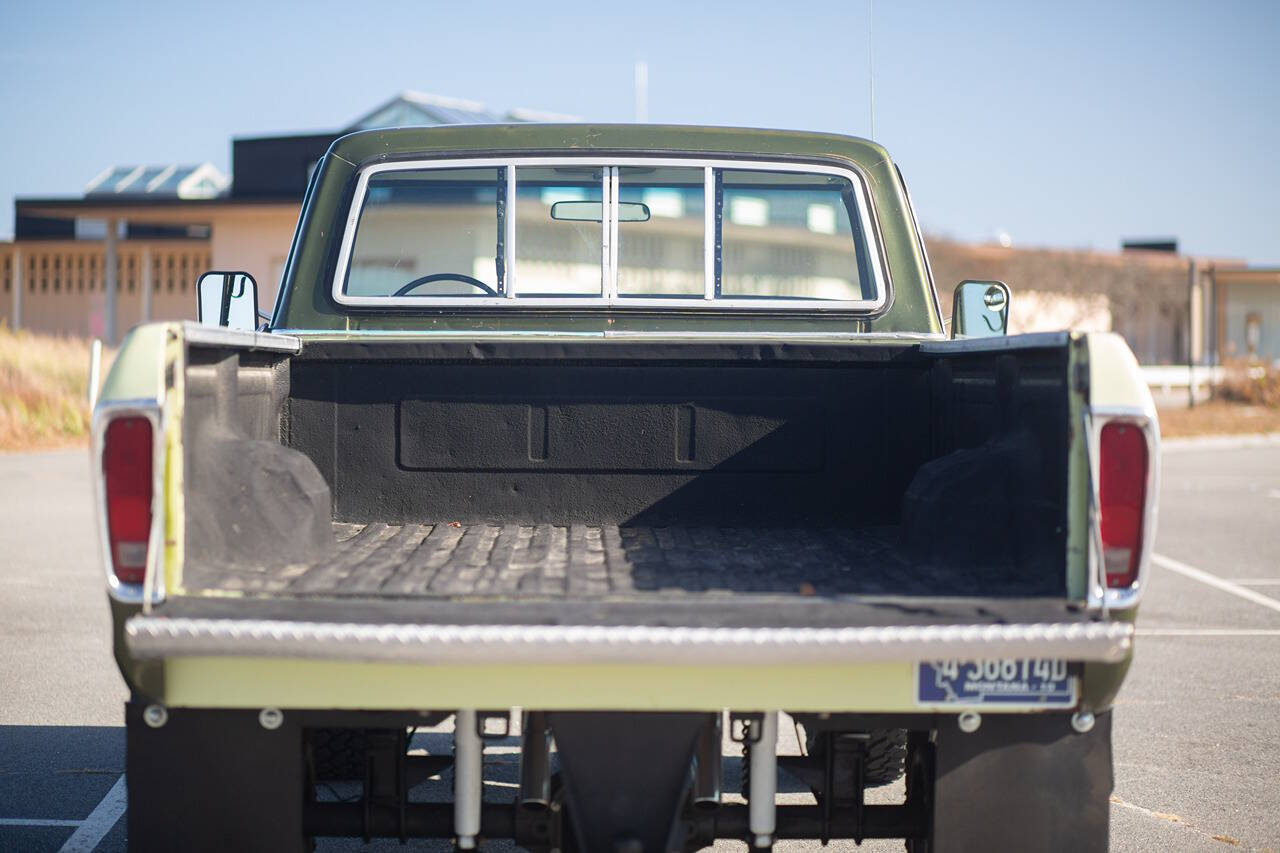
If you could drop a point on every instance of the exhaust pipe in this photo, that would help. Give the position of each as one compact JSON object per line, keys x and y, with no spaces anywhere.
{"x":535,"y":761}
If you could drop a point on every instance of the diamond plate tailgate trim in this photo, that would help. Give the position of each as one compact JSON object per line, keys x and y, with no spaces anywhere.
{"x":153,"y":637}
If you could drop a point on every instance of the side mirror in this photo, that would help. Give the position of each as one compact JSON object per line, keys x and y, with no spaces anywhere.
{"x":980,"y":309}
{"x":227,"y":299}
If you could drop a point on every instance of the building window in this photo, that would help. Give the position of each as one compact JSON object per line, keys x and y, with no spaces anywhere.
{"x":1253,"y":333}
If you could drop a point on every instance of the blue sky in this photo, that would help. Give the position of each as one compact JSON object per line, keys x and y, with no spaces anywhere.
{"x":1063,"y":124}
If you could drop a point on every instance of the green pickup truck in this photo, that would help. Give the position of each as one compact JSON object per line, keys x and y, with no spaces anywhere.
{"x":612,"y":444}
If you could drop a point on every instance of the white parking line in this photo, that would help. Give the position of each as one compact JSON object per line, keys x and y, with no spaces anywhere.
{"x":37,"y":821}
{"x":1215,"y":581}
{"x":100,"y":820}
{"x":1256,"y":581}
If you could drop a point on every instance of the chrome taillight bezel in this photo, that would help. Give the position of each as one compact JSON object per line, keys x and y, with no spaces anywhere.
{"x":1097,"y":417}
{"x":151,"y":590}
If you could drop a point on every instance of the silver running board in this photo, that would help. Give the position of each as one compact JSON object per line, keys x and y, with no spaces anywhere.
{"x":153,"y":637}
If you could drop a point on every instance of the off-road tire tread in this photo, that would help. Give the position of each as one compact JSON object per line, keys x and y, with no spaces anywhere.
{"x":886,"y":757}
{"x":338,"y":754}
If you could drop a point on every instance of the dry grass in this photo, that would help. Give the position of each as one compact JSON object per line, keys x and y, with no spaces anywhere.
{"x":43,"y":390}
{"x":1252,"y":383}
{"x":1247,"y":401}
{"x":1219,"y":417}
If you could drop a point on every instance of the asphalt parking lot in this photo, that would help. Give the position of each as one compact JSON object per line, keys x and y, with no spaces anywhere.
{"x":1197,"y":728}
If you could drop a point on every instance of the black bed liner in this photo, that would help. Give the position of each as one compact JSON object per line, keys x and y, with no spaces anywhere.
{"x":452,"y":560}
{"x":634,"y":474}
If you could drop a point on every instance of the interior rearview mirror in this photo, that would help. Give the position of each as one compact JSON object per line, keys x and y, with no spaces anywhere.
{"x":980,"y":309}
{"x":227,"y":299}
{"x":590,"y":211}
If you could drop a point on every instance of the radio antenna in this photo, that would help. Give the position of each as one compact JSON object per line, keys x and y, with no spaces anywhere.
{"x":642,"y":91}
{"x":871,"y":66}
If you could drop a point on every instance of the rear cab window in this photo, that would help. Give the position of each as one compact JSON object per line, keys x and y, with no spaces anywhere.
{"x":643,"y":232}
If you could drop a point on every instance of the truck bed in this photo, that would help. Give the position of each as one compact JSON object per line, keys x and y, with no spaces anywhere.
{"x":626,"y":472}
{"x":549,"y":562}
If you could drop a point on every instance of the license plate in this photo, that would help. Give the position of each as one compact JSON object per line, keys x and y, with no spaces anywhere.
{"x":1033,"y":682}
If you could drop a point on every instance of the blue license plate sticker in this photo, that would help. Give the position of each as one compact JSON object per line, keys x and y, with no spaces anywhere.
{"x":1027,"y":682}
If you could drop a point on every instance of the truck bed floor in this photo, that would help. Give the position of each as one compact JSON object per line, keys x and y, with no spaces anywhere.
{"x":452,"y":560}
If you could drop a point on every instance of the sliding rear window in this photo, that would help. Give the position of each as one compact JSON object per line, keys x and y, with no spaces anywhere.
{"x":629,"y":232}
{"x":428,"y":232}
{"x":791,"y":235}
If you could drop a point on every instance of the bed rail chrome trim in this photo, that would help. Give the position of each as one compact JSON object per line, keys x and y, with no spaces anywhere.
{"x":153,"y":637}
{"x":1001,"y":343}
{"x":218,"y":336}
{"x":327,"y":335}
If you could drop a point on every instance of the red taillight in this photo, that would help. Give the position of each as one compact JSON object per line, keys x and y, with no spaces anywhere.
{"x":126,"y":468}
{"x":1122,"y":488}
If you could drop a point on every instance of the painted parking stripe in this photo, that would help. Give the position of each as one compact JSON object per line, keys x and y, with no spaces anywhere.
{"x":100,"y":820}
{"x":37,"y":821}
{"x":1215,"y":581}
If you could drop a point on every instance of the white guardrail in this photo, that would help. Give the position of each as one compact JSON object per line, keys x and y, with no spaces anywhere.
{"x":1171,"y":377}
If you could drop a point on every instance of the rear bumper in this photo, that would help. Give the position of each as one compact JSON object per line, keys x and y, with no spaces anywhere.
{"x":157,"y":637}
{"x":794,"y":654}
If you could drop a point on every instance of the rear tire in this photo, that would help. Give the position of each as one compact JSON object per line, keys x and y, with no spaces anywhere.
{"x":339,"y":755}
{"x":886,"y":755}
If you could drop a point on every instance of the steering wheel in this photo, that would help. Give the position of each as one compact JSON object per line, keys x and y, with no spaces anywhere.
{"x":445,"y":276}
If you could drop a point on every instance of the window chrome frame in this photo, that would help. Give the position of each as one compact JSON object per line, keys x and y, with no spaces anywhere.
{"x":609,"y":297}
{"x":152,"y":589}
{"x":1100,"y":596}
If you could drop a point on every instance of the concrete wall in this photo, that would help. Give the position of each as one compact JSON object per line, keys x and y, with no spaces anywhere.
{"x":63,"y":291}
{"x":1145,"y":293}
{"x":62,"y":280}
{"x":257,"y":241}
{"x":6,"y":284}
{"x":1038,"y":311}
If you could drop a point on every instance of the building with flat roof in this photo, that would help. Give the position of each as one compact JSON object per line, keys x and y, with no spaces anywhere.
{"x":130,"y":248}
